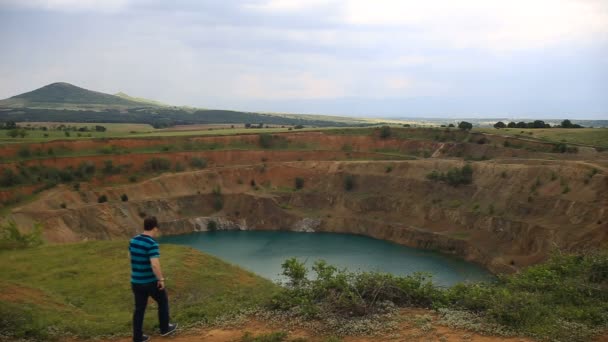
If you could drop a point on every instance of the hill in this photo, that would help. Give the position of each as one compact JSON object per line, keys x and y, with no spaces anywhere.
{"x":64,"y":102}
{"x":83,"y":289}
{"x":141,"y":100}
{"x":65,"y":95}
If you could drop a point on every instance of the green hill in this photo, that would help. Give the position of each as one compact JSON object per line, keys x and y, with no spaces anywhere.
{"x":64,"y":102}
{"x":141,"y":100}
{"x":84,"y":290}
{"x":65,"y":95}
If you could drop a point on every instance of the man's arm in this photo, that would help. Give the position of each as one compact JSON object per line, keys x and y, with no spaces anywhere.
{"x":158,"y":272}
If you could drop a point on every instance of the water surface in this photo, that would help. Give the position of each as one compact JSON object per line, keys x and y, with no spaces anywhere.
{"x":263,"y":252}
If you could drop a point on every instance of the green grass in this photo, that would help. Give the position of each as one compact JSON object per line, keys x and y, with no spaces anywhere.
{"x":583,"y":136}
{"x":83,"y":289}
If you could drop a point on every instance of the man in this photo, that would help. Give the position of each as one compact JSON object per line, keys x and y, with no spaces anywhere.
{"x":147,"y":280}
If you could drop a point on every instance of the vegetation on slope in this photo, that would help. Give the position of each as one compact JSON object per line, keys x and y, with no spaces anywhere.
{"x":59,"y":94}
{"x":83,"y":290}
{"x":564,"y":299}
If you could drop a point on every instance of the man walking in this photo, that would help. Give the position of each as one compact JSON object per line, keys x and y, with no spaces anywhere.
{"x":147,"y":280}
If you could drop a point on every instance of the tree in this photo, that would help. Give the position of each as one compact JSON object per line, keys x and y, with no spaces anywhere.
{"x":385,"y":132}
{"x":521,"y":124}
{"x":10,"y":125}
{"x":451,"y":125}
{"x":500,"y":125}
{"x":465,"y":126}
{"x":566,"y":124}
{"x":13,"y":133}
{"x":512,"y":125}
{"x":100,"y":128}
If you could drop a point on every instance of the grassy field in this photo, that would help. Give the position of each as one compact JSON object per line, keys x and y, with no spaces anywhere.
{"x":582,"y":136}
{"x":84,"y":290}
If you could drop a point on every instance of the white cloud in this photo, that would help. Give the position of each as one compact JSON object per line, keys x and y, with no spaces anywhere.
{"x":68,"y":5}
{"x":300,"y":85}
{"x":497,"y":25}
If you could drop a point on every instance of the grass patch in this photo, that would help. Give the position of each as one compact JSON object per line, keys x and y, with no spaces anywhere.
{"x":83,"y":290}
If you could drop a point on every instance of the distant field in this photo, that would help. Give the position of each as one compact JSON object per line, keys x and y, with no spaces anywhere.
{"x":119,"y":130}
{"x":582,"y":136}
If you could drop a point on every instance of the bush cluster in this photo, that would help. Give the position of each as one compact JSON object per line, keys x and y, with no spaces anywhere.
{"x":12,"y":238}
{"x":566,"y":297}
{"x":454,"y":176}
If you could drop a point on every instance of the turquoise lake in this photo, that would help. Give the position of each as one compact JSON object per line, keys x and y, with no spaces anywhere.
{"x":263,"y":252}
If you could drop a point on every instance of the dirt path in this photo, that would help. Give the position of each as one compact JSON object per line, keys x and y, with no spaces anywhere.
{"x":408,"y":330}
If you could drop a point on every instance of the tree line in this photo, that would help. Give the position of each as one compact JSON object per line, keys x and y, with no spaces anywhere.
{"x":536,"y":124}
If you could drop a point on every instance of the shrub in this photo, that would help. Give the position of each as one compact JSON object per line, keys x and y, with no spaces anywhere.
{"x":389,"y":169}
{"x":179,"y":167}
{"x":157,"y":164}
{"x":454,"y":176}
{"x":349,"y":182}
{"x":24,"y":152}
{"x":132,"y":178}
{"x":218,"y":200}
{"x":465,"y":126}
{"x":198,"y":163}
{"x":102,"y":199}
{"x":385,"y":132}
{"x":211,"y":226}
{"x":9,"y":178}
{"x":63,"y":205}
{"x":12,"y":238}
{"x":124,"y":198}
{"x":299,"y":181}
{"x":265,"y":140}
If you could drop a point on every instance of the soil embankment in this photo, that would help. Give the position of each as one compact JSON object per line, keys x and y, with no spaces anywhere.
{"x":512,"y":215}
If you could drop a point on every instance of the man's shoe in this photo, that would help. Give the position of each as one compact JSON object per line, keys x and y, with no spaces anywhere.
{"x":171,"y":330}
{"x":144,"y":338}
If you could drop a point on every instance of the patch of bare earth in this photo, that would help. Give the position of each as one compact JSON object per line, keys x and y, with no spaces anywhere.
{"x":414,"y":325}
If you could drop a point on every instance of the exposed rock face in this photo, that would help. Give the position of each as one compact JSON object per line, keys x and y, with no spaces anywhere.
{"x":513,"y":215}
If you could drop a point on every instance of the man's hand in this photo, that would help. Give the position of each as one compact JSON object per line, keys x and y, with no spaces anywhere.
{"x":161,"y":284}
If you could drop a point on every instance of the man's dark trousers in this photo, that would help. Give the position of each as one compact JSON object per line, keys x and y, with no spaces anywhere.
{"x":142,"y":292}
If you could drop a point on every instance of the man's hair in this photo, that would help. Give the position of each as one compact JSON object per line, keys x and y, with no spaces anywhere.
{"x":150,"y":223}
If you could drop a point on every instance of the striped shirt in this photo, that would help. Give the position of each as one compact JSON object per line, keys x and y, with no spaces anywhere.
{"x":142,"y":248}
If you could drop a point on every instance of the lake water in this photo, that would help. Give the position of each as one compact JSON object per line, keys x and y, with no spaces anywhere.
{"x":263,"y":252}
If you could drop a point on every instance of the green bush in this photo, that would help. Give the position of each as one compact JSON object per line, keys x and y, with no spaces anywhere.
{"x":24,"y":152}
{"x":454,"y":176}
{"x":564,"y":299}
{"x":102,"y":199}
{"x":12,"y":238}
{"x":157,"y":165}
{"x":124,"y":198}
{"x":265,"y":140}
{"x":198,"y":163}
{"x":211,"y":226}
{"x":218,"y":199}
{"x":299,"y":182}
{"x":385,"y":132}
{"x":9,"y":178}
{"x":349,"y":182}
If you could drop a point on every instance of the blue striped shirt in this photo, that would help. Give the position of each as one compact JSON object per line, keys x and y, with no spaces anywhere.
{"x":142,"y":248}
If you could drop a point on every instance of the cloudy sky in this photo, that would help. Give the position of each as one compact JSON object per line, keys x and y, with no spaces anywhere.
{"x":381,"y":58}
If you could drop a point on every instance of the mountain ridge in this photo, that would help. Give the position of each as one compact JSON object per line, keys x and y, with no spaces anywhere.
{"x":66,"y":95}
